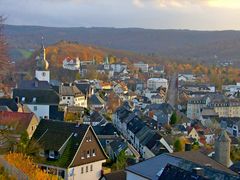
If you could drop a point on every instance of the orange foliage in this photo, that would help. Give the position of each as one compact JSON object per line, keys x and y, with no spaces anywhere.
{"x":26,"y":165}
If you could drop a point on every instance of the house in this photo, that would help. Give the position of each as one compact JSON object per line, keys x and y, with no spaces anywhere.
{"x":95,"y":119}
{"x":114,"y":148}
{"x":17,"y":123}
{"x":141,"y":66}
{"x":37,"y":100}
{"x":187,"y":77}
{"x":70,"y":95}
{"x":189,"y":160}
{"x":85,"y":87}
{"x":74,"y":153}
{"x":119,"y":175}
{"x":71,"y":64}
{"x":96,"y":102}
{"x":120,"y":88}
{"x":196,"y":105}
{"x":231,"y":124}
{"x":155,"y":83}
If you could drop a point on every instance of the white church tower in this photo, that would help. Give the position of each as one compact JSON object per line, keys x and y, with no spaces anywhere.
{"x":42,"y":73}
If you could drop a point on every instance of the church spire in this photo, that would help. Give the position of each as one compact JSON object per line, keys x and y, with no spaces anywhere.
{"x":42,"y":63}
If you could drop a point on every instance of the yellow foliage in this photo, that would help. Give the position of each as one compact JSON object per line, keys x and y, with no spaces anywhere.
{"x":27,"y":166}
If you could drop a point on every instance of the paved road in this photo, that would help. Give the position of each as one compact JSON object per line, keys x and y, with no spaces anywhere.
{"x":172,"y":90}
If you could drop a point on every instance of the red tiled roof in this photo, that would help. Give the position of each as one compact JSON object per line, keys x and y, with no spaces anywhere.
{"x":17,"y":119}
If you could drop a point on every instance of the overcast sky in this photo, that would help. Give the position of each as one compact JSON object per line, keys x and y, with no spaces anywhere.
{"x":157,"y":14}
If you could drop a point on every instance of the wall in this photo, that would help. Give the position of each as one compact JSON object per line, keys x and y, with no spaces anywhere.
{"x":42,"y":110}
{"x":132,"y":176}
{"x":95,"y":174}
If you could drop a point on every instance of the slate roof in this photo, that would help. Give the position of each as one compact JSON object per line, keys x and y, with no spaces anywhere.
{"x":118,"y":146}
{"x":96,"y":100}
{"x":45,"y":97}
{"x":186,"y":160}
{"x":164,"y":106}
{"x":55,"y":113}
{"x":51,"y":135}
{"x":135,"y":125}
{"x":34,"y":84}
{"x":84,"y":87}
{"x":171,"y":172}
{"x":236,"y":167}
{"x":10,"y":103}
{"x":108,"y":129}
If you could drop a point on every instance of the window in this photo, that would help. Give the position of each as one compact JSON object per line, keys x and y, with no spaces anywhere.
{"x":83,"y":155}
{"x":34,"y":99}
{"x":86,"y":168}
{"x":68,"y":97}
{"x":91,"y":167}
{"x":23,"y":99}
{"x":35,"y":108}
{"x":41,"y":153}
{"x":51,"y":154}
{"x":93,"y":152}
{"x":82,"y":170}
{"x":63,"y":98}
{"x":88,"y":154}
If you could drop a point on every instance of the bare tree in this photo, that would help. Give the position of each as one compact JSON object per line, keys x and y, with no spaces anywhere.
{"x":4,"y":58}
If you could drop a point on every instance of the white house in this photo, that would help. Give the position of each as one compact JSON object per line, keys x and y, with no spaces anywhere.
{"x":71,"y":64}
{"x":155,"y":83}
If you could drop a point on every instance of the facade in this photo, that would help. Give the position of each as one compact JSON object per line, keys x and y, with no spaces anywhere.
{"x":71,"y":64}
{"x":195,"y":107}
{"x":37,"y":100}
{"x":155,"y":83}
{"x":71,"y":95}
{"x":74,"y":153}
{"x":141,"y":66}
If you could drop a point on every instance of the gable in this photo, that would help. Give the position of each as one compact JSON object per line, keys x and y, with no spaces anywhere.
{"x":89,"y":146}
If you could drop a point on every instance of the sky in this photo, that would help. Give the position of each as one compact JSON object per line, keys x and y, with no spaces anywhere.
{"x":149,"y":14}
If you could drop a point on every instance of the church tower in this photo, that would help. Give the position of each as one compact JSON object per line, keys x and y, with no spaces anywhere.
{"x":42,"y":73}
{"x":222,"y":149}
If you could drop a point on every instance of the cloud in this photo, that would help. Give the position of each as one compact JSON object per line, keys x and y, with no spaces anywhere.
{"x":226,"y":4}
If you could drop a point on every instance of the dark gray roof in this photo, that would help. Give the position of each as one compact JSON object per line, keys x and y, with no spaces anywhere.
{"x":84,"y":87}
{"x":10,"y":103}
{"x":118,"y":146}
{"x":96,"y":100}
{"x":108,"y":129}
{"x":37,"y":96}
{"x":34,"y":84}
{"x":186,"y":160}
{"x":55,"y":113}
{"x":164,"y":106}
{"x":175,"y":173}
{"x":135,"y":125}
{"x":51,"y":135}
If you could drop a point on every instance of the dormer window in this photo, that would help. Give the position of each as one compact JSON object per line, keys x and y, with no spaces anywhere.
{"x":51,"y":155}
{"x":34,"y":100}
{"x":23,"y":99}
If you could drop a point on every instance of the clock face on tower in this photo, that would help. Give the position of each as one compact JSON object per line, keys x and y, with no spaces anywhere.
{"x":43,"y":74}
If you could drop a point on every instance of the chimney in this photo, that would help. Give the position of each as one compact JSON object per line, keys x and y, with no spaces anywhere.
{"x":188,"y":147}
{"x":198,"y":171}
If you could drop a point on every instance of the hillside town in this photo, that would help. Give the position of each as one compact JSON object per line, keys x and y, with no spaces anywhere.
{"x":134,"y":121}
